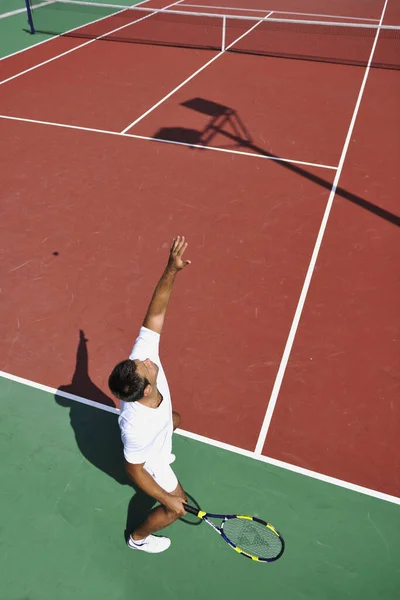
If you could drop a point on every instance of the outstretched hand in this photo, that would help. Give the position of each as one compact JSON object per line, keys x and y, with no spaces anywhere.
{"x":175,"y":260}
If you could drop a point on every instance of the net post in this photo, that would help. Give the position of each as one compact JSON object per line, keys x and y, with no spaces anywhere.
{"x":223,"y":33}
{"x":30,"y":18}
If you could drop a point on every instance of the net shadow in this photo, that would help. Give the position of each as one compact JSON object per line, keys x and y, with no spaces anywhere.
{"x":341,"y":43}
{"x":127,"y":40}
{"x":393,"y":65}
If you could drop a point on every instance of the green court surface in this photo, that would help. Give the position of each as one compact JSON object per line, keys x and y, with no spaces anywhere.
{"x":14,"y":29}
{"x":14,"y":34}
{"x":7,"y":6}
{"x":64,"y":502}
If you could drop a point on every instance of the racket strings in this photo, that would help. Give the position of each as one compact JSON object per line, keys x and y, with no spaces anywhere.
{"x":252,"y":537}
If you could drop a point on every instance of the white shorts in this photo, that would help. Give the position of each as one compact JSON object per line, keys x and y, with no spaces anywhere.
{"x":164,"y":476}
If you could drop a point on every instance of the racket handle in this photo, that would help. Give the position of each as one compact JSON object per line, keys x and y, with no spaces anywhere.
{"x":191,"y":509}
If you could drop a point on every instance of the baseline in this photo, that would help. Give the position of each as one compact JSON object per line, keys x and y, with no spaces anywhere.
{"x":223,"y":446}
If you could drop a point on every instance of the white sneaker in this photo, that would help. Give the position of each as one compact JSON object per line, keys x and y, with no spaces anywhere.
{"x":153,"y":544}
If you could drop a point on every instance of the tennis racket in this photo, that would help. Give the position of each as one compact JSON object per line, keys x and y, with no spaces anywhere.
{"x":249,"y":536}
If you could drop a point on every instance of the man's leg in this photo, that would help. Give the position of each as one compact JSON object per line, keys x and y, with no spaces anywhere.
{"x":158,"y":518}
{"x":176,"y":418}
{"x":139,"y":507}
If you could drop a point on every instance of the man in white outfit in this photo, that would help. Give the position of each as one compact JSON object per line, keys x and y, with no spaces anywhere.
{"x":147,"y":419}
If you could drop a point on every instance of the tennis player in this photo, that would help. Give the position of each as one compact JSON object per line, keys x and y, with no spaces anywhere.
{"x":147,"y":419}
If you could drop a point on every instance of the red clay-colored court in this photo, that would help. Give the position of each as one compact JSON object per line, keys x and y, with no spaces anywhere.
{"x":283,"y":176}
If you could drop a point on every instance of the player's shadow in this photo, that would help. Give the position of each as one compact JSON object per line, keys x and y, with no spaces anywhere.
{"x":227,"y":128}
{"x":98,"y":436}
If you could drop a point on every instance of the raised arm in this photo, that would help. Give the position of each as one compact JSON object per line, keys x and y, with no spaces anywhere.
{"x":155,"y":315}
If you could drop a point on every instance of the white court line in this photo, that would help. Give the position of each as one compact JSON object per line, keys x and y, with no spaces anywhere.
{"x":284,"y":12}
{"x":217,"y":444}
{"x":21,"y":10}
{"x":151,"y":139}
{"x":231,"y":151}
{"x":89,"y":42}
{"x":292,"y":333}
{"x":46,"y":388}
{"x":11,"y":13}
{"x":53,"y":37}
{"x":136,"y":121}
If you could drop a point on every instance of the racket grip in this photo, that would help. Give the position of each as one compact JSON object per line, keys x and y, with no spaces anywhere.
{"x":191,"y":509}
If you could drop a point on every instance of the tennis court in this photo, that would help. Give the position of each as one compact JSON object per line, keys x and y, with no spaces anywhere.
{"x":267,"y":134}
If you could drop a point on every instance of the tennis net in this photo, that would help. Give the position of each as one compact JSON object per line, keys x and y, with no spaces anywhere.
{"x":331,"y":42}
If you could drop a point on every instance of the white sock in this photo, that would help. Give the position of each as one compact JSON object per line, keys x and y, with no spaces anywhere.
{"x":139,"y":542}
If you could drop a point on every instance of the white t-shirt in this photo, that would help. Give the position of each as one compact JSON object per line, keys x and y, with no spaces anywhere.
{"x":147,"y":432}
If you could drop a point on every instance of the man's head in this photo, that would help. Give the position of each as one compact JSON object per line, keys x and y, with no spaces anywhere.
{"x":133,"y":380}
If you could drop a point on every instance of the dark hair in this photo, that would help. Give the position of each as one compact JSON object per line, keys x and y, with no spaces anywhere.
{"x":126,"y":383}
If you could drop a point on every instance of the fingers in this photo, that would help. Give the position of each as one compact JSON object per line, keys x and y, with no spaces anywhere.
{"x":175,"y":505}
{"x":182,"y":510}
{"x":179,"y":245}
